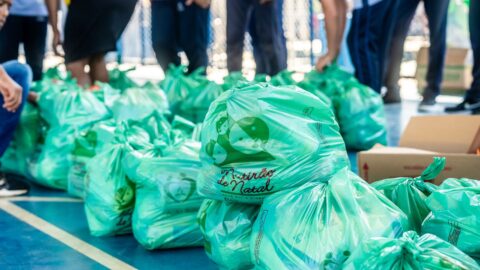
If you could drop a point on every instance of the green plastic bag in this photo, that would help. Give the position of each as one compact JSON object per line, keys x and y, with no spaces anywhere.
{"x":455,"y":218}
{"x":177,"y":86}
{"x":86,"y":145}
{"x":247,"y":140}
{"x":118,"y":79}
{"x":50,"y":163}
{"x":138,"y":103}
{"x":167,"y":203}
{"x":227,"y":229}
{"x":283,"y":78}
{"x":319,"y":225}
{"x":307,"y":86}
{"x":365,"y":106}
{"x":196,"y":104}
{"x":452,"y":183}
{"x":110,"y":195}
{"x":409,"y":194}
{"x":409,"y":252}
{"x":232,"y":79}
{"x":25,"y":140}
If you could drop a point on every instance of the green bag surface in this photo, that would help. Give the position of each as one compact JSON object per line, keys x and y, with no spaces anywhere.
{"x":283,"y":78}
{"x":361,"y":116}
{"x":118,"y":79}
{"x":178,"y":85}
{"x":25,"y":140}
{"x":351,"y":100}
{"x":248,"y":138}
{"x":455,"y":218}
{"x":167,"y":203}
{"x":196,"y":104}
{"x":227,"y":229}
{"x":110,"y":195}
{"x":452,"y":183}
{"x":87,"y":144}
{"x":409,"y":252}
{"x":319,"y":225}
{"x":138,"y":103}
{"x":232,"y":79}
{"x":409,"y":194}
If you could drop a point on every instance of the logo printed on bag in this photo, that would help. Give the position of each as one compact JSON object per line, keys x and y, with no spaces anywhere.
{"x":237,"y":181}
{"x":239,"y":141}
{"x":180,"y":189}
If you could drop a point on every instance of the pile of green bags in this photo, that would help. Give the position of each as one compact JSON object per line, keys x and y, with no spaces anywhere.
{"x":259,"y":139}
{"x":227,"y":229}
{"x":455,"y":215}
{"x":166,"y":204}
{"x":190,"y":95}
{"x":409,"y":194}
{"x":27,"y":135}
{"x":408,"y":252}
{"x":67,"y":109}
{"x":319,"y":225}
{"x":88,"y":143}
{"x":359,"y":109}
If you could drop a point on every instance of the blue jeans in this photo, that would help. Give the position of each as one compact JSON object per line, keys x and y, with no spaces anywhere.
{"x":21,"y":74}
{"x":177,"y":27}
{"x":436,"y":11}
{"x":473,"y":94}
{"x":368,"y":40}
{"x":268,"y":41}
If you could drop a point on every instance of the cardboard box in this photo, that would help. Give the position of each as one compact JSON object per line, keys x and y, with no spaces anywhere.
{"x":455,"y":137}
{"x":457,"y":73}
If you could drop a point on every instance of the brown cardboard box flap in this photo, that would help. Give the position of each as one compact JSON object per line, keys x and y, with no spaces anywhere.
{"x":377,"y":166}
{"x":443,"y":133}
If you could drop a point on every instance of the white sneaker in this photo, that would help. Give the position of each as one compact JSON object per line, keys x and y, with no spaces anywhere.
{"x":11,"y":187}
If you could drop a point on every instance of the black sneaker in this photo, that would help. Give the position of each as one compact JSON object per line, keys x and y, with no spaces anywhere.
{"x":428,"y":104}
{"x":10,"y":187}
{"x":392,"y":96}
{"x":466,"y":105}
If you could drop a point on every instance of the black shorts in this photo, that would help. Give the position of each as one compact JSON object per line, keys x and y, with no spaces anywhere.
{"x":93,"y":27}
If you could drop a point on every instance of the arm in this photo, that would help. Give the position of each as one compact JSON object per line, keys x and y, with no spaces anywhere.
{"x":53,"y":6}
{"x":11,"y":92}
{"x":335,"y":18}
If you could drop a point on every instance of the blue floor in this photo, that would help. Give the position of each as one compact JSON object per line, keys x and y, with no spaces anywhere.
{"x":24,"y":247}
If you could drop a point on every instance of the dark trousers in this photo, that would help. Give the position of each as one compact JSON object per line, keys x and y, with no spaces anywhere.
{"x":473,"y":94}
{"x":436,"y":11}
{"x":368,"y":40}
{"x":175,"y":28}
{"x":32,"y":32}
{"x":22,"y":75}
{"x":257,"y":51}
{"x":268,"y":39}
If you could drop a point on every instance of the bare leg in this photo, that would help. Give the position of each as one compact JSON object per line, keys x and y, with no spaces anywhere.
{"x":77,"y":69}
{"x":98,"y":68}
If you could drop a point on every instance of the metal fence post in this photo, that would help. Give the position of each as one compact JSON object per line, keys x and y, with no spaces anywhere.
{"x":142,"y":34}
{"x":310,"y":6}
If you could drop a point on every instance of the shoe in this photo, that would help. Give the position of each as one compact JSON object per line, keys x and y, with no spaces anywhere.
{"x":428,"y":104}
{"x":10,"y":187}
{"x":392,"y":96}
{"x":466,"y":105}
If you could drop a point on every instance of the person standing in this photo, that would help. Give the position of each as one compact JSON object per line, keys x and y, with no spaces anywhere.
{"x":15,"y":81}
{"x":471,"y":100}
{"x":92,"y":29}
{"x":436,"y":11}
{"x":180,"y":25}
{"x":27,"y":25}
{"x":269,"y":49}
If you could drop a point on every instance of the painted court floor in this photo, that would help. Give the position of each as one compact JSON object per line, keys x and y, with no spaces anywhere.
{"x":48,"y":229}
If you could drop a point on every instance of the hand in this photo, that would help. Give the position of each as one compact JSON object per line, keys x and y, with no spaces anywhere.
{"x":12,"y":95}
{"x":56,"y":43}
{"x":201,"y":3}
{"x":32,"y":97}
{"x":262,"y":2}
{"x":323,"y":61}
